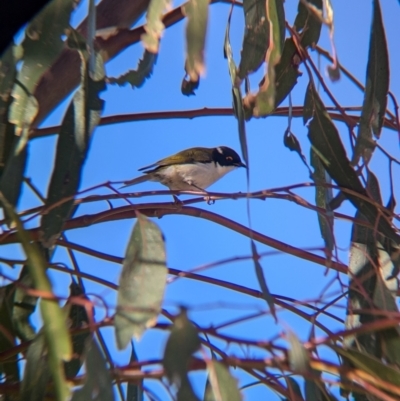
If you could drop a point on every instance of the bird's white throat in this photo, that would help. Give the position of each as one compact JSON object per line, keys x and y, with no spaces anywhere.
{"x":189,"y":176}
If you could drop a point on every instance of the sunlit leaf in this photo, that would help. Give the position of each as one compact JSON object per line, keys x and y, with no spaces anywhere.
{"x":134,"y":391}
{"x":376,"y":89}
{"x":222,"y":386}
{"x":142,"y":282}
{"x":327,"y":144}
{"x":307,"y":25}
{"x":196,"y":12}
{"x":54,"y":322}
{"x":80,"y":120}
{"x":256,"y":37}
{"x":323,"y":197}
{"x":98,"y":383}
{"x":78,"y":319}
{"x":299,"y":358}
{"x":136,"y":78}
{"x":42,"y":44}
{"x":265,"y":100}
{"x":261,"y":280}
{"x":36,"y":372}
{"x":154,"y":26}
{"x":182,"y":343}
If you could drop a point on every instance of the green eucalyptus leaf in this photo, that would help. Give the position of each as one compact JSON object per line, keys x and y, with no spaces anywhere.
{"x":221,"y":386}
{"x":81,"y":118}
{"x":182,"y":343}
{"x":256,"y":37}
{"x":307,"y":25}
{"x":196,"y":12}
{"x":376,"y":89}
{"x":154,"y":26}
{"x":142,"y":282}
{"x":98,"y":383}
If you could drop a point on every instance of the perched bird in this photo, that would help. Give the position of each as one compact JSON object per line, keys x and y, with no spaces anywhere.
{"x":194,"y":168}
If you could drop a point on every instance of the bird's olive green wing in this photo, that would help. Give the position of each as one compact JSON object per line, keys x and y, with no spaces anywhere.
{"x":188,"y":156}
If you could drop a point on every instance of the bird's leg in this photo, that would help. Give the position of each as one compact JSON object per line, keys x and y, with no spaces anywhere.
{"x":207,"y":198}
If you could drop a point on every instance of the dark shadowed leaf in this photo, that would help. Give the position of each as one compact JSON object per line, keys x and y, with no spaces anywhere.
{"x":80,"y":120}
{"x":182,"y":343}
{"x":371,"y":365}
{"x":24,"y":306}
{"x":54,"y":319}
{"x":185,"y":391}
{"x":315,"y":390}
{"x":299,"y":358}
{"x":142,"y":282}
{"x":36,"y":372}
{"x":265,"y":100}
{"x":376,"y":89}
{"x":134,"y":391}
{"x":236,"y":96}
{"x":98,"y":383}
{"x":293,"y":388}
{"x":326,"y":143}
{"x":136,"y":78}
{"x":7,"y":336}
{"x":78,"y":319}
{"x":7,"y":76}
{"x":196,"y":12}
{"x":307,"y":25}
{"x":256,"y":37}
{"x":323,"y":197}
{"x":292,"y":143}
{"x":261,"y":280}
{"x":188,"y":87}
{"x":221,"y":386}
{"x":154,"y":26}
{"x":42,"y":44}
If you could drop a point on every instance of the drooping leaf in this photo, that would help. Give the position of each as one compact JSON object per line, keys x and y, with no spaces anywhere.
{"x":221,"y":386}
{"x":142,"y":282}
{"x":134,"y":391}
{"x":326,"y":143}
{"x":82,"y":116}
{"x":182,"y":343}
{"x":136,"y":78}
{"x":9,"y":367}
{"x":323,"y":197}
{"x":7,"y":77}
{"x":265,"y":100}
{"x":54,"y":322}
{"x":292,"y":143}
{"x":78,"y":319}
{"x":299,"y":358}
{"x":42,"y":44}
{"x":307,"y":25}
{"x":24,"y":306}
{"x":261,"y":280}
{"x":36,"y":372}
{"x":188,"y":87}
{"x":236,"y":96}
{"x":315,"y":390}
{"x":256,"y":37}
{"x":154,"y":26}
{"x":376,"y":89}
{"x":98,"y":383}
{"x":196,"y":12}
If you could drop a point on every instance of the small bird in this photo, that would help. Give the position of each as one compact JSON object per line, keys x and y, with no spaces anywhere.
{"x":194,"y":168}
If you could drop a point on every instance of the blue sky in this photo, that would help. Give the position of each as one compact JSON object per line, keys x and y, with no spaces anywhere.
{"x":117,"y":151}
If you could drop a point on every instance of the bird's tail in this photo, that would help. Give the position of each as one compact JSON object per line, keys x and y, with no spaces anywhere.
{"x":138,"y":180}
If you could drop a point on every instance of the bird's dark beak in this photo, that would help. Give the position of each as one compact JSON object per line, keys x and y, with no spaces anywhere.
{"x":241,"y":165}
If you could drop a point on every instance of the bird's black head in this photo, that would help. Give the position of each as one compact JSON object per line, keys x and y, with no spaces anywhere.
{"x":225,"y":156}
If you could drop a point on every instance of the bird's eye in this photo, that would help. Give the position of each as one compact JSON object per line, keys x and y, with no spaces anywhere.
{"x":229,"y":158}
